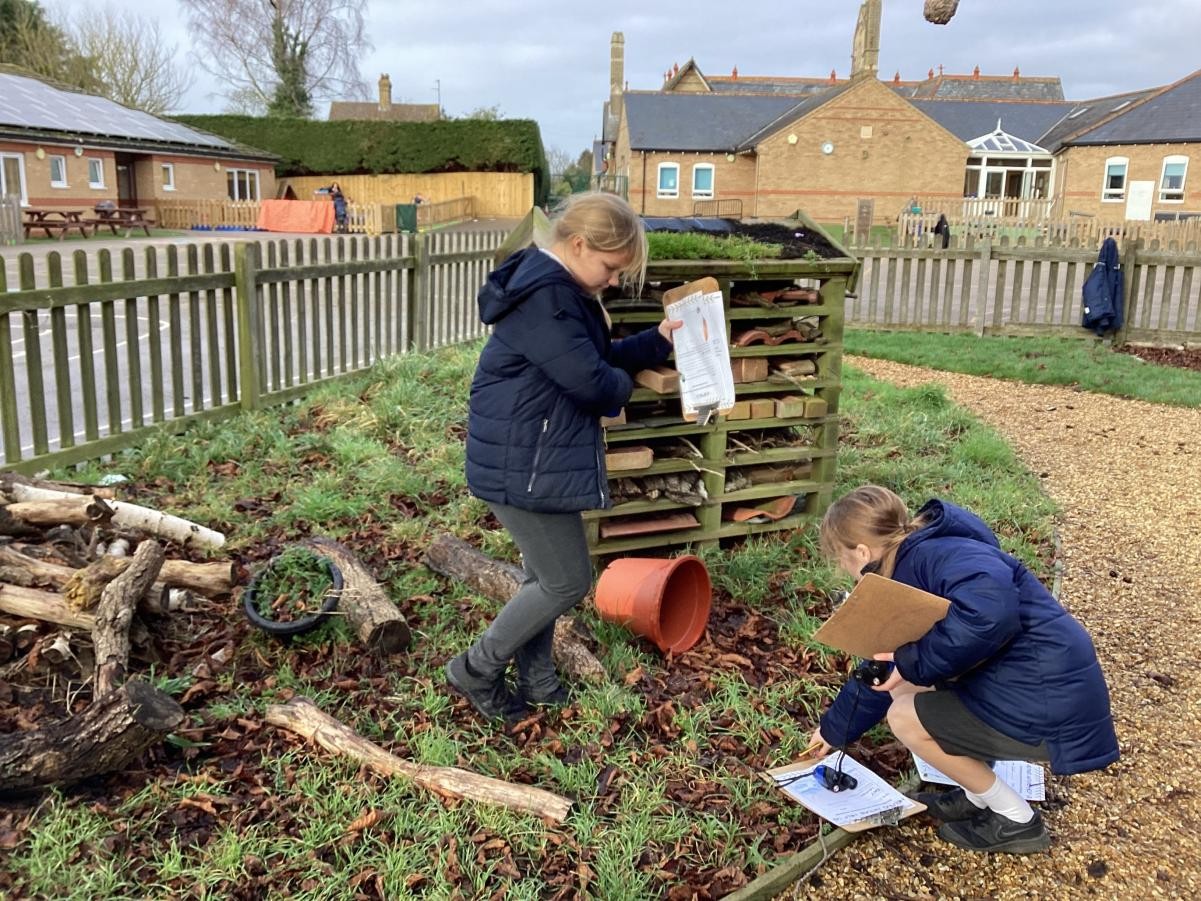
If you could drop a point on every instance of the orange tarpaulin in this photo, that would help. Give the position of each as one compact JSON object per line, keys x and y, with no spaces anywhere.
{"x":309,"y":216}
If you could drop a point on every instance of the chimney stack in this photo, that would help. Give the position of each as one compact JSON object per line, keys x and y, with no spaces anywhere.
{"x":385,"y":92}
{"x":617,"y":65}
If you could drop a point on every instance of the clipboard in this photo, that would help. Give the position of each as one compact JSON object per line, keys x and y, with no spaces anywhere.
{"x":879,"y":616}
{"x":707,"y":285}
{"x":773,"y":776}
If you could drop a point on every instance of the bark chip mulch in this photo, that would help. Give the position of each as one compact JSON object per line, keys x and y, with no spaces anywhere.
{"x":1127,"y":477}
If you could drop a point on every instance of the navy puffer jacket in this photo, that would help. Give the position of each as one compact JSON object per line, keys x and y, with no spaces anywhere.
{"x":547,"y":374}
{"x":1012,"y":654}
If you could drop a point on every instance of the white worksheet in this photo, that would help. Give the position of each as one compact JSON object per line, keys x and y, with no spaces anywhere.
{"x":702,"y":352}
{"x":871,"y":797}
{"x":1025,"y":778}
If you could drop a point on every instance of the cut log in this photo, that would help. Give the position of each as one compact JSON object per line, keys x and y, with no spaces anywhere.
{"x":32,"y":603}
{"x":71,"y":510}
{"x":372,"y":614}
{"x":456,"y":559}
{"x":302,"y":716}
{"x":131,"y":516}
{"x":82,"y":587}
{"x":110,"y":635}
{"x":9,"y":479}
{"x":56,"y":649}
{"x":110,"y":734}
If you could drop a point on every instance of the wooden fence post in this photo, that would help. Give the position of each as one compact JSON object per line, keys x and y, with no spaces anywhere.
{"x":250,"y":339}
{"x":984,"y":303}
{"x":419,"y":294}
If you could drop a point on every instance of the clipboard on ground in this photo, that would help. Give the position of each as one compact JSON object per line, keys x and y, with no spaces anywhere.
{"x":706,"y":376}
{"x":879,"y":616}
{"x":795,"y":780}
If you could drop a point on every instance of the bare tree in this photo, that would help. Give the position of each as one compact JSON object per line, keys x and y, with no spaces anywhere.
{"x":129,"y":58}
{"x":239,"y":42}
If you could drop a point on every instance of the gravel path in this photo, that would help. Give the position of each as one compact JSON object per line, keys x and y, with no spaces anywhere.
{"x":1127,"y":477}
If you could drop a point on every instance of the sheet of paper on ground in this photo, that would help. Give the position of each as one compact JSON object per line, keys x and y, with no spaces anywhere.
{"x":1027,"y":779}
{"x":879,"y":616}
{"x":701,"y":349}
{"x":852,"y":808}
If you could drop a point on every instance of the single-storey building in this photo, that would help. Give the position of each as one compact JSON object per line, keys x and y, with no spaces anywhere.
{"x":962,"y":144}
{"x":64,"y":149}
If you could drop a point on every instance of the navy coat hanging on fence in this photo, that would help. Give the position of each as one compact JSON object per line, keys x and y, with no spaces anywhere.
{"x":1103,"y":292}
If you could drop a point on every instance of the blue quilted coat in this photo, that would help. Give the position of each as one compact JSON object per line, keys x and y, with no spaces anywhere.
{"x":1012,"y":654}
{"x":548,"y":372}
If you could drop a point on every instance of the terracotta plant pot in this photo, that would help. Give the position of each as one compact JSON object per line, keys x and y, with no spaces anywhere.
{"x":666,"y":601}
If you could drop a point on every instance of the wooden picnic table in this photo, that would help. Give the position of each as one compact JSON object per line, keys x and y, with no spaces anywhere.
{"x":127,"y":217}
{"x":56,"y":222}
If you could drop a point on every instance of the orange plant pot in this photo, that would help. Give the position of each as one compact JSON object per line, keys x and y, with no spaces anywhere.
{"x":666,"y":601}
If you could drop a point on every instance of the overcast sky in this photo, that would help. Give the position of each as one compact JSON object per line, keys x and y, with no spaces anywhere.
{"x":549,"y":61}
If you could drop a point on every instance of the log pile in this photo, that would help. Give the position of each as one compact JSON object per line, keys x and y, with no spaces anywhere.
{"x":78,"y":568}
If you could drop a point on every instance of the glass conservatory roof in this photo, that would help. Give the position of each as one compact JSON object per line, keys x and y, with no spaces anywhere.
{"x":1000,"y":141}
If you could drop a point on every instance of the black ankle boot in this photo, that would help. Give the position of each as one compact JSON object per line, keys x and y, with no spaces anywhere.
{"x":490,"y":696}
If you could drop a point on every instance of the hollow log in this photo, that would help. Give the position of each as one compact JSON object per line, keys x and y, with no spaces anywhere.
{"x":302,"y":716}
{"x":132,"y":516}
{"x":108,"y":735}
{"x":71,"y":510}
{"x":114,"y":614}
{"x":373,"y":615}
{"x":32,"y":603}
{"x":456,"y":559}
{"x":940,"y":12}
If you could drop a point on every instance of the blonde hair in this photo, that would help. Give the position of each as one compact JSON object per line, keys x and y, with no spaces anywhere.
{"x":869,"y":515}
{"x":607,"y":224}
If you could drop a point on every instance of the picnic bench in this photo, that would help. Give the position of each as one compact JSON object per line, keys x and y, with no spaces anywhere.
{"x":115,"y":217}
{"x":56,"y":222}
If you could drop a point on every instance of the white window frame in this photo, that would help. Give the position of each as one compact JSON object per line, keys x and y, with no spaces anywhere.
{"x":1164,"y":192}
{"x":168,"y":173}
{"x":251,"y":175}
{"x":6,"y":189}
{"x":1115,"y":195}
{"x":659,"y":192}
{"x":99,"y":161}
{"x":704,"y":195}
{"x":62,"y":161}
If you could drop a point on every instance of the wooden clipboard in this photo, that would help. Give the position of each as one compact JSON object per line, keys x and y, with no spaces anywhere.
{"x":879,"y":616}
{"x":706,"y":285}
{"x":773,"y":777}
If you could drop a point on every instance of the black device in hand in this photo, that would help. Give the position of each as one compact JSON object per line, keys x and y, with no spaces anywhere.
{"x":873,"y":672}
{"x":834,"y":778}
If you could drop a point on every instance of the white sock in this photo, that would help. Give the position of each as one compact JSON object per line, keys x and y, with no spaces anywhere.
{"x":1003,"y":800}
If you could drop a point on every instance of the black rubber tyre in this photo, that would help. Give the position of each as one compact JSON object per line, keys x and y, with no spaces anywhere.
{"x":296,"y":626}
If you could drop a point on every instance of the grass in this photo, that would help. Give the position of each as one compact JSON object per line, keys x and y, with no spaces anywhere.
{"x":384,"y":453}
{"x":1080,"y":363}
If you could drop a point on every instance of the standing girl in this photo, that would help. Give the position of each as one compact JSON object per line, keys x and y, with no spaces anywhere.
{"x":1008,"y":674}
{"x":535,"y":450}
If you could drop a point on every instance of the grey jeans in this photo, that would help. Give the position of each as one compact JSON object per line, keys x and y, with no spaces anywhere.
{"x":558,"y":575}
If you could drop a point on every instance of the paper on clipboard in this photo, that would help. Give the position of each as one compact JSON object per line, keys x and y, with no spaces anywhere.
{"x":879,"y":616}
{"x":872,"y":802}
{"x":1027,"y":779}
{"x":701,"y":347}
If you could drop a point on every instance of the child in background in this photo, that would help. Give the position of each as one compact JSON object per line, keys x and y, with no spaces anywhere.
{"x":535,"y":450}
{"x":1008,"y":674}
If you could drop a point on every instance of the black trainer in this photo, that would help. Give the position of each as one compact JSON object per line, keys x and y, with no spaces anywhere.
{"x":990,"y":832}
{"x":491,"y":697}
{"x":553,"y":697}
{"x":948,"y":806}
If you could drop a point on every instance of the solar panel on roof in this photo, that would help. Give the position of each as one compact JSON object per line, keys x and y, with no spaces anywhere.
{"x":30,"y":103}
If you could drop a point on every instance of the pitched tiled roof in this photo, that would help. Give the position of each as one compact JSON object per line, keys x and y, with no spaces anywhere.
{"x":1085,"y":114}
{"x":969,"y":119}
{"x":1171,"y":115}
{"x":699,"y":122}
{"x":398,"y":112}
{"x":986,"y":87}
{"x":766,"y":85}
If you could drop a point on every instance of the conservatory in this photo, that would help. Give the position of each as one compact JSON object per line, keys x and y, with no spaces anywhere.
{"x":1007,"y":177}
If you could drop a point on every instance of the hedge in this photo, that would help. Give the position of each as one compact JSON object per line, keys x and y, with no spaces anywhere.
{"x":350,"y":147}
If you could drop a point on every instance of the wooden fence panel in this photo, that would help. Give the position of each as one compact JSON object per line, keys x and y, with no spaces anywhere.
{"x":1024,"y":287}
